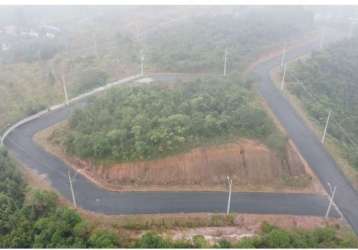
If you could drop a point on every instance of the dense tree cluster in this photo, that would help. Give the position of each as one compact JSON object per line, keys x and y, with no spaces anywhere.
{"x":330,"y":82}
{"x":198,"y":43}
{"x":38,"y":221}
{"x":151,"y":121}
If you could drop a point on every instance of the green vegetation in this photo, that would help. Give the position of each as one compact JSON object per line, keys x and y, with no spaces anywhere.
{"x":35,"y":219}
{"x":274,"y":237}
{"x":38,"y":221}
{"x":33,"y":69}
{"x":90,"y":79}
{"x":153,"y":121}
{"x":198,"y":43}
{"x":329,"y":81}
{"x":270,"y":237}
{"x":136,"y":222}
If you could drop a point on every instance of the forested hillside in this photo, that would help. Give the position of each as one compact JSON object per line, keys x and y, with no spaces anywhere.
{"x":198,"y":43}
{"x":32,"y":218}
{"x":328,"y":81}
{"x":151,"y":121}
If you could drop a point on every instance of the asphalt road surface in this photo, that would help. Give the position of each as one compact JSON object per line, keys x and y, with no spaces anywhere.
{"x":93,"y":198}
{"x":307,"y":143}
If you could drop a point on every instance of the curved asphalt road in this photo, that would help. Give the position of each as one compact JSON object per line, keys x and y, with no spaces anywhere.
{"x":307,"y":143}
{"x":93,"y":198}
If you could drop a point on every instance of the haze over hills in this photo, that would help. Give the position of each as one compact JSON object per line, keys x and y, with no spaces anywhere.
{"x":196,"y":125}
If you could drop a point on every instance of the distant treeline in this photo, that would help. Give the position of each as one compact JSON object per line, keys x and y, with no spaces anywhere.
{"x":198,"y":43}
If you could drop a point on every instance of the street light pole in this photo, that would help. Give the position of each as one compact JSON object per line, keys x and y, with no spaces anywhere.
{"x":331,"y":198}
{"x":283,"y":77}
{"x":225,"y":62}
{"x":71,"y":187}
{"x":141,"y":63}
{"x":94,"y":37}
{"x":321,"y":41}
{"x":283,"y":56}
{"x":325,"y":128}
{"x":64,"y":88}
{"x":353,"y":22}
{"x":229,"y":198}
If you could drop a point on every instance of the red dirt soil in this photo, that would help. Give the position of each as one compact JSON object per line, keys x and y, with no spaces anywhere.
{"x":251,"y":165}
{"x":242,"y":161}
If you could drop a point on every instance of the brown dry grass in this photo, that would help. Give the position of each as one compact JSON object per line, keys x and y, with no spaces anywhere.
{"x":212,"y":226}
{"x":246,"y":225}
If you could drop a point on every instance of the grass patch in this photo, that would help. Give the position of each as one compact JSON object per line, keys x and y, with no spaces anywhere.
{"x":165,"y":223}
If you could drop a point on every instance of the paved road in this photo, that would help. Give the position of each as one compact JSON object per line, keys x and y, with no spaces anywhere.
{"x":93,"y":198}
{"x":308,"y":144}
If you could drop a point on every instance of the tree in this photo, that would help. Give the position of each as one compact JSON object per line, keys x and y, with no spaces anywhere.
{"x":276,"y":239}
{"x":41,"y":203}
{"x":7,"y":210}
{"x":11,"y":182}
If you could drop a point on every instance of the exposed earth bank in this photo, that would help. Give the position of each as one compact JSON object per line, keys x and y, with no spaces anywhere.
{"x":251,"y":165}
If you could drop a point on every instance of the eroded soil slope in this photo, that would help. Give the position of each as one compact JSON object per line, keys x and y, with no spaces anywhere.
{"x":251,"y":165}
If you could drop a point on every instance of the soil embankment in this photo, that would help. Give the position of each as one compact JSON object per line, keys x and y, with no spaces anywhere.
{"x":251,"y":165}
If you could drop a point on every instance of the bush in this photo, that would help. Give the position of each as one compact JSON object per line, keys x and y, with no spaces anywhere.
{"x":103,"y":239}
{"x":200,"y":242}
{"x":151,"y":240}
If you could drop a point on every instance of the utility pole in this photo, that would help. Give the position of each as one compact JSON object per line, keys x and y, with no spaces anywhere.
{"x":325,"y":128}
{"x":321,"y":40}
{"x":351,"y":27}
{"x":225,"y":62}
{"x":141,"y":63}
{"x":61,"y":79}
{"x":71,"y":187}
{"x":283,"y":56}
{"x":229,"y":180}
{"x":331,"y":198}
{"x":283,"y":77}
{"x":353,"y":21}
{"x":95,"y":44}
{"x":64,"y":87}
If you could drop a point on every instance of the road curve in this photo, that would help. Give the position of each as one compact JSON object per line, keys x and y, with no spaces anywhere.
{"x":306,"y":141}
{"x":90,"y":197}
